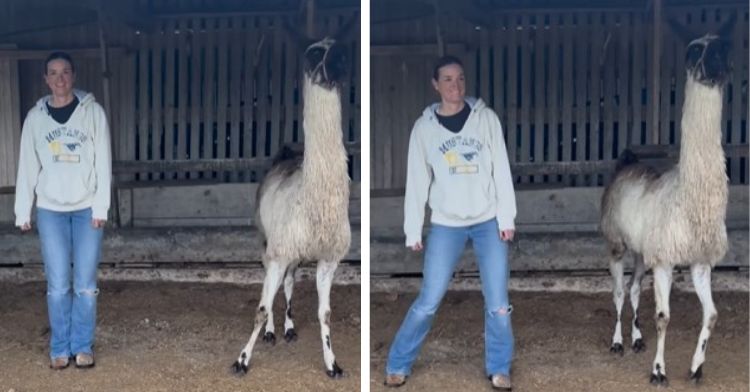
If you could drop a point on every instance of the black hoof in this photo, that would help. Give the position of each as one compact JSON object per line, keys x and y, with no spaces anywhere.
{"x":659,"y":380}
{"x":639,"y":346}
{"x":337,"y":372}
{"x":269,"y":337}
{"x":696,"y":376}
{"x":239,"y":369}
{"x":617,"y":349}
{"x":290,"y":335}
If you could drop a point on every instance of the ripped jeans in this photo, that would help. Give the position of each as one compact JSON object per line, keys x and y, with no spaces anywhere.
{"x":70,"y":248}
{"x":442,"y":253}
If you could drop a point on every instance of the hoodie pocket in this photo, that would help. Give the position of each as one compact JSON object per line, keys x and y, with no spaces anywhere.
{"x":464,"y":200}
{"x":67,"y":187}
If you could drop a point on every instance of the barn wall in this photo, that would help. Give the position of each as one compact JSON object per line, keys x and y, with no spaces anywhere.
{"x":568,"y":85}
{"x":183,"y":86}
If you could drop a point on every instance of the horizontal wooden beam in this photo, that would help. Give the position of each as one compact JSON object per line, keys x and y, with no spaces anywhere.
{"x":416,"y":50}
{"x":41,"y":54}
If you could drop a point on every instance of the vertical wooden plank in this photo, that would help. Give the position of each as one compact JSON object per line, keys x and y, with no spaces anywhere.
{"x":129,"y":91}
{"x":10,"y":121}
{"x":553,"y":109}
{"x":143,"y":100}
{"x":209,"y":93}
{"x":738,"y":57}
{"x":609,"y":53}
{"x":526,"y":70}
{"x":569,"y":34}
{"x":539,"y":107}
{"x":196,"y":55}
{"x":157,"y":57}
{"x":638,"y":80}
{"x":235,"y":82}
{"x":499,"y":69}
{"x":484,"y":67}
{"x":261,"y":88}
{"x":652,"y":95}
{"x":356,"y":109}
{"x":582,"y":67}
{"x":291,"y":76}
{"x":250,"y":38}
{"x":624,"y":67}
{"x":377,"y":100}
{"x":597,"y":69}
{"x":182,"y":92}
{"x":169,"y":94}
{"x":276,"y":88}
{"x":222,"y":91}
{"x":512,"y":128}
{"x":665,"y":85}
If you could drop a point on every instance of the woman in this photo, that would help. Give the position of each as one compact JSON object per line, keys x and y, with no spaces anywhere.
{"x":457,"y":161}
{"x":65,"y":161}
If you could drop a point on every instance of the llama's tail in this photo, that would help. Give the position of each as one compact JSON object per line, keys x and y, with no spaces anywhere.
{"x":626,"y":158}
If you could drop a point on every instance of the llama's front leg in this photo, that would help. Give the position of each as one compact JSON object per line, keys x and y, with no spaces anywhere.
{"x":702,"y":282}
{"x":618,"y":294}
{"x":639,"y":269}
{"x":290,"y":334}
{"x":662,"y":287}
{"x":270,"y":285}
{"x":324,"y":279}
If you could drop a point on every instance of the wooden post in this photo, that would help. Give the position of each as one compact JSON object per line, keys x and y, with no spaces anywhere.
{"x":108,"y":107}
{"x":656,"y":70}
{"x":310,"y":18}
{"x":438,"y":32}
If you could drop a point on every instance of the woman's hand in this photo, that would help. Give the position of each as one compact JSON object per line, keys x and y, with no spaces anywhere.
{"x":417,"y":247}
{"x":98,"y":223}
{"x":26,"y":226}
{"x":507,"y":235}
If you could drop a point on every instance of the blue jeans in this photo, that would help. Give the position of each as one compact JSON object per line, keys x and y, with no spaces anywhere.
{"x":70,"y":248}
{"x":443,"y":250}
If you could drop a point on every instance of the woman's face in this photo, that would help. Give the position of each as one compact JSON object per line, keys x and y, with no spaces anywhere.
{"x":60,"y":77}
{"x":450,"y":84}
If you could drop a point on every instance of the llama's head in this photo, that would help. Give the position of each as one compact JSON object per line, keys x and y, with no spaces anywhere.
{"x":326,"y":63}
{"x":707,"y":58}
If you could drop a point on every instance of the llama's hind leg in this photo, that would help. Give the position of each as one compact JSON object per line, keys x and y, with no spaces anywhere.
{"x":618,"y":294}
{"x":324,"y":278}
{"x":639,"y":269}
{"x":271,"y":283}
{"x":662,"y":287}
{"x":290,"y":334}
{"x":702,"y":282}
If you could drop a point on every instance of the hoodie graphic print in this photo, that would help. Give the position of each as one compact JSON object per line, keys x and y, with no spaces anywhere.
{"x":464,"y":176}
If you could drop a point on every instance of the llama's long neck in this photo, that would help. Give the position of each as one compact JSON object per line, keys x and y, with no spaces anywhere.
{"x":325,"y":165}
{"x":702,"y":171}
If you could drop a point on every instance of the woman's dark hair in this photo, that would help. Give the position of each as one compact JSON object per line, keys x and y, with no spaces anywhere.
{"x":59,"y":56}
{"x":442,"y":62}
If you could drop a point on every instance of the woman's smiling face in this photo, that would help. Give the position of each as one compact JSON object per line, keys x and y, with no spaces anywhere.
{"x":450,"y":84}
{"x":60,"y":77}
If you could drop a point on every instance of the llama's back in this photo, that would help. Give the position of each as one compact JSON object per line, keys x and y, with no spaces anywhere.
{"x":631,"y":202}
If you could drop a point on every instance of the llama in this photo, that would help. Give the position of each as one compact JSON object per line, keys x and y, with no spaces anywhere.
{"x":303,"y":204}
{"x":677,"y":217}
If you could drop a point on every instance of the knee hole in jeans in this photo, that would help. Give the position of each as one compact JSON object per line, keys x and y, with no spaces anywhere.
{"x":88,"y":292}
{"x":502,"y":311}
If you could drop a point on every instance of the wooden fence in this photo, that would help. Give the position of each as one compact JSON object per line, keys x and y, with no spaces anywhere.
{"x":569,"y":85}
{"x":203,"y":86}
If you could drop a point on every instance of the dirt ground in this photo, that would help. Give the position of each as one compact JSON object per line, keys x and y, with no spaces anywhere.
{"x":180,"y":337}
{"x":562,"y":344}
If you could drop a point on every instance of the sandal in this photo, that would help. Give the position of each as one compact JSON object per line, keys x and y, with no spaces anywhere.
{"x":394,"y":380}
{"x":84,"y":360}
{"x":500,"y":382}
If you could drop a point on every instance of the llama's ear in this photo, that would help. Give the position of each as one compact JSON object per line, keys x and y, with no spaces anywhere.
{"x":681,"y":31}
{"x":347,"y":29}
{"x":725,"y":31}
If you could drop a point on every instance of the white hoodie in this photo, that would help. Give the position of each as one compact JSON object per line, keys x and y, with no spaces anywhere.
{"x":466,"y":175}
{"x":68,"y":166}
